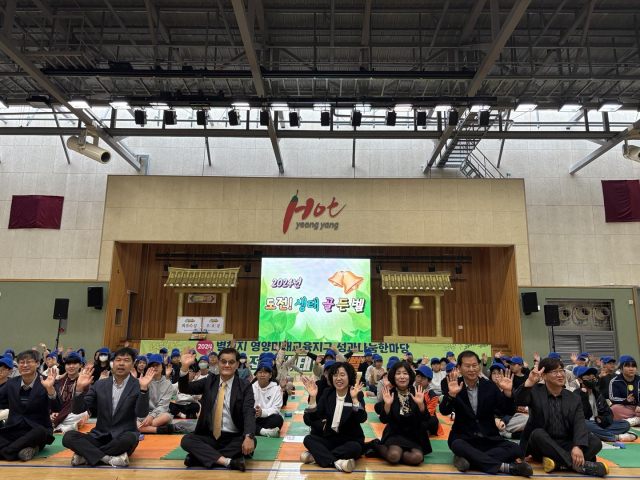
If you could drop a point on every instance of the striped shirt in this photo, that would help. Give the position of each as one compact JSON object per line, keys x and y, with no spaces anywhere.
{"x":116,"y":393}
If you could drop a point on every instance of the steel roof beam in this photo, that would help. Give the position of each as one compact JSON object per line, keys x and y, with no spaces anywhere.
{"x":612,"y":143}
{"x":510,"y":24}
{"x":258,"y":81}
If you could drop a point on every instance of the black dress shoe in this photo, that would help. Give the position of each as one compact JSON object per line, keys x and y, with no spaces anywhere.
{"x":190,"y":461}
{"x":238,"y":464}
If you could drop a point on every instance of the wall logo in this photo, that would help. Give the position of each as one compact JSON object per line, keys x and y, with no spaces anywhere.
{"x":307,"y":209}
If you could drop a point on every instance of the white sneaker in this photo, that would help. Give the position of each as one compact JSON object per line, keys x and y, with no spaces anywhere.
{"x":627,"y":437}
{"x":306,"y":457}
{"x":120,"y":461}
{"x":272,"y":432}
{"x":634,"y":421}
{"x":71,"y":428}
{"x":77,"y":460}
{"x":346,"y":466}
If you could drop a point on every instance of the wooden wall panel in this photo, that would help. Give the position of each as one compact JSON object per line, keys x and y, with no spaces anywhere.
{"x":485,"y":303}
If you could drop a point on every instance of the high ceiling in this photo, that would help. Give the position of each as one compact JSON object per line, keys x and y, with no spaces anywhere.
{"x":330,"y":49}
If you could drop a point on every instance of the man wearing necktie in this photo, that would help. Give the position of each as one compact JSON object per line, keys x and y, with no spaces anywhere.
{"x":225,"y":430}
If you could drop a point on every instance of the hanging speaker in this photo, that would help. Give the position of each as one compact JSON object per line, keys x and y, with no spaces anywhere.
{"x":551,"y":316}
{"x":529,"y":302}
{"x":61,"y":309}
{"x":201,"y":117}
{"x":94,"y":297}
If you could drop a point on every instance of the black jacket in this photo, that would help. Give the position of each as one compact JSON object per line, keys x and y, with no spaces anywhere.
{"x":350,"y":428}
{"x":133,"y":404}
{"x":37,"y":410}
{"x":604,"y":412}
{"x":536,"y":398}
{"x":467,"y":425}
{"x":242,"y":402}
{"x":405,"y":425}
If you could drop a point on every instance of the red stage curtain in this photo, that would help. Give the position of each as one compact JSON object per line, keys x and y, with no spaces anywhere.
{"x":621,"y":200}
{"x":36,"y":211}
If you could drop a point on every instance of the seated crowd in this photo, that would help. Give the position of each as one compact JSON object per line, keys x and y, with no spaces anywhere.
{"x":560,"y":414}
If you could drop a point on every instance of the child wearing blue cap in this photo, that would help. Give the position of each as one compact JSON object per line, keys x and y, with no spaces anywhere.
{"x":366,"y":362}
{"x":624,"y":392}
{"x":607,"y":373}
{"x":160,"y":392}
{"x":268,"y":402}
{"x":102,"y":363}
{"x":374,"y":374}
{"x":6,"y":367}
{"x":66,"y":421}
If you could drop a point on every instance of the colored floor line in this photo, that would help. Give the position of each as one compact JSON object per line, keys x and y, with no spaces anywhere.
{"x":297,"y":470}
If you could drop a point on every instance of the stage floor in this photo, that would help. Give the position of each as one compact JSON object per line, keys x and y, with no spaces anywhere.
{"x":278,"y":458}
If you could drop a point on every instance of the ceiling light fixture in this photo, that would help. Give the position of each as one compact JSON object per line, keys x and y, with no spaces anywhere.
{"x":609,"y":106}
{"x":444,"y":107}
{"x":526,"y":106}
{"x":241,"y":106}
{"x":279,"y":107}
{"x":159,"y":105}
{"x":321,"y":107}
{"x":403,"y":108}
{"x":479,"y":107}
{"x":570,"y":107}
{"x":119,"y":104}
{"x":79,"y":102}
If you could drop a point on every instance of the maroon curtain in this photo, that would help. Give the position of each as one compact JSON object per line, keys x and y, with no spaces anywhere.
{"x":36,"y":211}
{"x":621,"y":200}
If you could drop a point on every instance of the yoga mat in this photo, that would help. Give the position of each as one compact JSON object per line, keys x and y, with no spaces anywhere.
{"x":628,"y":457}
{"x":55,"y":447}
{"x":266,"y":450}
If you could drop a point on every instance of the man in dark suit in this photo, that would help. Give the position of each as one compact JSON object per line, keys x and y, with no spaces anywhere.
{"x":556,"y":432}
{"x":474,"y":438}
{"x":30,"y":399}
{"x":225,"y":431}
{"x":120,"y":400}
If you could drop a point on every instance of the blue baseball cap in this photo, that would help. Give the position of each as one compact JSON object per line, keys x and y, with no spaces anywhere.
{"x":425,"y":372}
{"x":105,"y":350}
{"x":10,"y":352}
{"x":52,"y":355}
{"x":142,"y":359}
{"x":242,"y":355}
{"x":330,"y":353}
{"x":377,"y":358}
{"x":585,"y":354}
{"x":164,"y":350}
{"x":265,"y":365}
{"x":81,"y":350}
{"x":516,"y":360}
{"x":73,"y":356}
{"x":203,"y":357}
{"x":148,"y":354}
{"x":497,"y":365}
{"x":156,"y":358}
{"x":407,"y":353}
{"x":607,"y":359}
{"x":136,"y":351}
{"x":328,"y":364}
{"x":449,"y":354}
{"x":435,"y":360}
{"x":554,"y":355}
{"x":175,"y":353}
{"x":626,"y":358}
{"x":367,"y":353}
{"x":582,"y":358}
{"x":6,"y":362}
{"x":270,"y":355}
{"x":582,"y":371}
{"x":506,"y":359}
{"x":391,"y":363}
{"x":449,"y":367}
{"x":393,"y":357}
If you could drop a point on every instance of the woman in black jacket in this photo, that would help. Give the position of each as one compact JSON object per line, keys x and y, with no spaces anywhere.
{"x":341,"y":407}
{"x":402,"y":409}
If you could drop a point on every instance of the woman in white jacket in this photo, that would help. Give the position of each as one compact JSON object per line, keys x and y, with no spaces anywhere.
{"x":268,"y":402}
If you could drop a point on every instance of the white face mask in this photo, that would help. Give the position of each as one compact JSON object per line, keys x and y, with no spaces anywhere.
{"x":103,"y":358}
{"x":111,"y":365}
{"x":243,"y":360}
{"x":203,"y":366}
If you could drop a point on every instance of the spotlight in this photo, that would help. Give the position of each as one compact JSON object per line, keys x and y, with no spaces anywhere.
{"x":119,"y":104}
{"x":458,"y":269}
{"x":220,"y":266}
{"x":443,"y":107}
{"x":264,"y":118}
{"x":247,"y":267}
{"x":432,"y":268}
{"x":390,"y":118}
{"x":140,"y":117}
{"x":194,"y":265}
{"x":294,"y":119}
{"x":356,"y":118}
{"x":570,"y":107}
{"x":201,"y":118}
{"x":79,"y":102}
{"x":483,"y":118}
{"x":421,"y":118}
{"x":234,"y":118}
{"x":609,"y":106}
{"x":166,"y":267}
{"x":405,"y":268}
{"x":170,"y":117}
{"x":325,"y":119}
{"x":378,"y":269}
{"x":453,"y":118}
{"x":526,"y":106}
{"x":159,"y":105}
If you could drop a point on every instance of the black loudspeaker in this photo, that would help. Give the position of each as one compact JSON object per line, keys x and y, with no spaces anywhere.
{"x":529,"y":302}
{"x":325,"y":119}
{"x":61,"y":309}
{"x":94,"y":297}
{"x":201,"y":118}
{"x":140,"y":117}
{"x":551,"y":316}
{"x":421,"y":118}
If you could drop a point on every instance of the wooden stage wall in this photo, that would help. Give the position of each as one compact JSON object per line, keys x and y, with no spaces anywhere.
{"x":486,"y":304}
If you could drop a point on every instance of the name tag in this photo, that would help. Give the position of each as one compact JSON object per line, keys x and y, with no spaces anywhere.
{"x":348,"y":404}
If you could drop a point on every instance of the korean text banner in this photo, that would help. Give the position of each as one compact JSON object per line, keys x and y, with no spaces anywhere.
{"x":315,"y":299}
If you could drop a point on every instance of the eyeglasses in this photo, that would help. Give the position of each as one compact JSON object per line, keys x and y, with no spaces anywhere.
{"x":26,"y":362}
{"x":559,"y":372}
{"x":231,"y":363}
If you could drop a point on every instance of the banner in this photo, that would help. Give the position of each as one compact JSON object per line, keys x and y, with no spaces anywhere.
{"x":189,"y":324}
{"x":310,"y":299}
{"x":253,"y":349}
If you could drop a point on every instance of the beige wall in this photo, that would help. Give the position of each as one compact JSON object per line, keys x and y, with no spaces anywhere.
{"x":378,"y":211}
